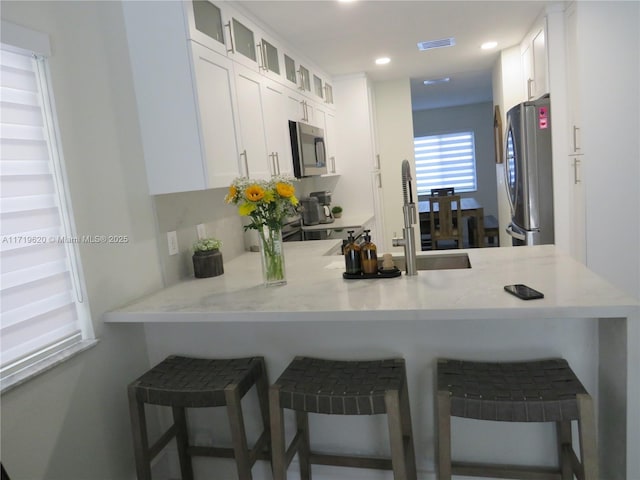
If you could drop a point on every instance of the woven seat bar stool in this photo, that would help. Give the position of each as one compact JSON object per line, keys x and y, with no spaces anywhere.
{"x":536,"y":391}
{"x":311,"y":385}
{"x":185,"y":382}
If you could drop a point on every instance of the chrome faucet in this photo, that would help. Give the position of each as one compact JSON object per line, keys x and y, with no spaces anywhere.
{"x":409,"y":211}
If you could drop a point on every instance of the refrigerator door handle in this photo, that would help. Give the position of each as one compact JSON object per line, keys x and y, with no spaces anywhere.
{"x":517,"y":235}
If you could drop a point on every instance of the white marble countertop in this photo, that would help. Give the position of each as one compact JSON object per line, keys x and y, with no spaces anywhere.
{"x":316,"y":291}
{"x":346,"y":221}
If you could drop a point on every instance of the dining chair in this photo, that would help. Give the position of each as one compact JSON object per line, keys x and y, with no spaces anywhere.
{"x":425,"y":229}
{"x":439,"y":192}
{"x":445,"y":217}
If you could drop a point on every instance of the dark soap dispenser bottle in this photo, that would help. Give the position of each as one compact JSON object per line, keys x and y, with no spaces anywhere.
{"x":352,"y":256}
{"x":369,"y":255}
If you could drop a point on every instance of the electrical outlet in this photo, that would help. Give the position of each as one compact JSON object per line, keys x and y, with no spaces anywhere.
{"x":172,"y":239}
{"x":201,"y":231}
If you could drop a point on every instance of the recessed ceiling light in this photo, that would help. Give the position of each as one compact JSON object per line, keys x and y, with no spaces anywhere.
{"x":488,"y":45}
{"x":382,"y":60}
{"x":346,"y":1}
{"x":435,"y":81}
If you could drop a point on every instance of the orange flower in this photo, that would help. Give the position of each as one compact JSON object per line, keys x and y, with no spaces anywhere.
{"x":233,"y":191}
{"x":285,"y":190}
{"x":254,"y":193}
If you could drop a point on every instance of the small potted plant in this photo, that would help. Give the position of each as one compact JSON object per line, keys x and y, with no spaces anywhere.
{"x":207,"y":258}
{"x":337,"y":211}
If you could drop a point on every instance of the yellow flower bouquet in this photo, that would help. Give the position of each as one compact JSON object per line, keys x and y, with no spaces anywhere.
{"x":266,"y":203}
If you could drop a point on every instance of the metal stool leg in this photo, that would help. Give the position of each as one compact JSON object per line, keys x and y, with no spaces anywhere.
{"x":238,"y":434}
{"x":444,"y":436}
{"x":182,"y":442}
{"x":140,"y":437}
{"x":587,"y":434}
{"x":278,"y":449}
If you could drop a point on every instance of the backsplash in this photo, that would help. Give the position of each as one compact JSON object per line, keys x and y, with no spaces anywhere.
{"x":182,"y":212}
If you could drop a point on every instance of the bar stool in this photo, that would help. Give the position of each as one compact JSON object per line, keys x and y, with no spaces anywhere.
{"x":311,"y":385}
{"x":536,"y":391}
{"x":184,"y":382}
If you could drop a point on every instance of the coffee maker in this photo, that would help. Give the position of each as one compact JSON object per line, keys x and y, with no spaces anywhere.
{"x":324,"y":202}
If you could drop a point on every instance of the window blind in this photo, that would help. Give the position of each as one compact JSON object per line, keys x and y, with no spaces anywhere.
{"x":40,"y":292}
{"x":445,"y":161}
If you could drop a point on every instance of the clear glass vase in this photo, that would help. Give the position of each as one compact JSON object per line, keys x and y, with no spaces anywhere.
{"x":272,"y":256}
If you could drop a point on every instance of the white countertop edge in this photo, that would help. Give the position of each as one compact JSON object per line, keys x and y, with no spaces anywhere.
{"x":515,"y":313}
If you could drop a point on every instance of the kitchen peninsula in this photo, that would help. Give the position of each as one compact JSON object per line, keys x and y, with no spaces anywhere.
{"x":439,"y":313}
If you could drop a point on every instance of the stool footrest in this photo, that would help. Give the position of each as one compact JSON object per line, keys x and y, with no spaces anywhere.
{"x":226,"y":452}
{"x":505,"y":471}
{"x":165,"y":438}
{"x":375,"y":463}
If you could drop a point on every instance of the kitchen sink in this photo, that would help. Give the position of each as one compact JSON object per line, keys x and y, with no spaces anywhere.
{"x":447,"y":261}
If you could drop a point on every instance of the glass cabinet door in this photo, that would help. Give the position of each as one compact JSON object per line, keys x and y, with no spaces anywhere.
{"x":270,"y":54}
{"x":243,"y":40}
{"x":290,"y":69}
{"x":317,"y":86}
{"x":208,"y":19}
{"x":305,"y":81}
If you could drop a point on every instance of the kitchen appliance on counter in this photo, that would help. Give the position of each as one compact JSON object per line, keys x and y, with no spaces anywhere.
{"x":311,"y":210}
{"x":529,"y":173}
{"x":307,"y":149}
{"x":324,"y":200}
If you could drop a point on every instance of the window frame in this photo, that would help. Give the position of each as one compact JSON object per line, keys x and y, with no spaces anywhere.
{"x":23,"y":41}
{"x":425,"y":192}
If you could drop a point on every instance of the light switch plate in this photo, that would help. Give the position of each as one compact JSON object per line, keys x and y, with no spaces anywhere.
{"x":172,"y":239}
{"x":201,"y":231}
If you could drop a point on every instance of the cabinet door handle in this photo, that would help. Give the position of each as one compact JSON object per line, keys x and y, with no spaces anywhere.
{"x":379,"y":177}
{"x":529,"y":83}
{"x":377,"y":161}
{"x":576,"y":130}
{"x":246,"y":161}
{"x":228,"y":25}
{"x":261,"y":60}
{"x":333,"y":164}
{"x":277,"y":157}
{"x":576,"y":164}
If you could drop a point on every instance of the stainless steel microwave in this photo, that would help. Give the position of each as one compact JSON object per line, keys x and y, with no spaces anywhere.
{"x":308,"y":150}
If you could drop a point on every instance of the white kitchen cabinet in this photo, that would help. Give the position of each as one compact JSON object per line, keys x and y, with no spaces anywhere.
{"x":254,"y":158}
{"x":576,"y":157}
{"x":277,"y":128}
{"x":208,"y":24}
{"x":534,"y":63}
{"x":185,"y":97}
{"x":330,"y":140}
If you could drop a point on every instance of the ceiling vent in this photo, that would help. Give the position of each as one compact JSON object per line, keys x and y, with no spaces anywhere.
{"x":431,"y":44}
{"x":436,"y":81}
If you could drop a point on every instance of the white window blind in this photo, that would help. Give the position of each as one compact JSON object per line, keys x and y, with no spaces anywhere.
{"x":445,"y":161}
{"x":42,"y":305}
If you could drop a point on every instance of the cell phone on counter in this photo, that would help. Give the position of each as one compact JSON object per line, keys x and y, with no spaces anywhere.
{"x":523,"y":291}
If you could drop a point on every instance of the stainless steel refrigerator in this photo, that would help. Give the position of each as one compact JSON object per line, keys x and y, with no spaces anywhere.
{"x":528,"y":164}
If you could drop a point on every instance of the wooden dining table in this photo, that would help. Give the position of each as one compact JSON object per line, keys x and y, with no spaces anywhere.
{"x":470,"y":208}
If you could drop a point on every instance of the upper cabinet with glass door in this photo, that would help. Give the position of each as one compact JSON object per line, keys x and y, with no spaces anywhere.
{"x":208,"y":25}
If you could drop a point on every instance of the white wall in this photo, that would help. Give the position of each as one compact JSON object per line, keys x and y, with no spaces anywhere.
{"x":477,"y":118}
{"x":71,"y":423}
